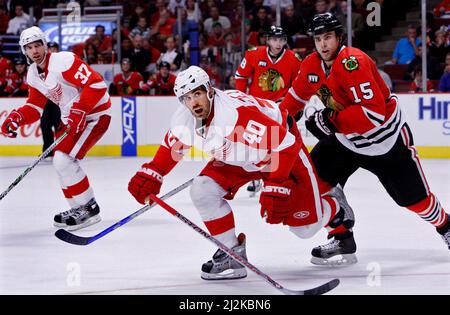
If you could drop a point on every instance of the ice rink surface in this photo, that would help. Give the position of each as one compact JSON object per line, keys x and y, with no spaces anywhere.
{"x":156,"y":254}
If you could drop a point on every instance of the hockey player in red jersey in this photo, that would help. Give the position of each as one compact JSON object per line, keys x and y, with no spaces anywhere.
{"x":85,"y":104}
{"x":249,"y":138}
{"x":271,"y":70}
{"x":128,"y":82}
{"x":361,"y":126}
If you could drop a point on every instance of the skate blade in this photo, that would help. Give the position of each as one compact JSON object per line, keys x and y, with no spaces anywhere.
{"x":229,"y":274}
{"x":88,"y":222}
{"x":343,"y":260}
{"x":59,"y":225}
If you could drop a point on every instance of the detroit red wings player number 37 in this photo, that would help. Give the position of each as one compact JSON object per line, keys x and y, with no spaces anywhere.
{"x":82,"y":95}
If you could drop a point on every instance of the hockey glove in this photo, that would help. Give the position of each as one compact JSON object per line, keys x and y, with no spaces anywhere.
{"x":12,"y":123}
{"x":76,"y":121}
{"x":320,"y":123}
{"x":145,"y":182}
{"x":275,"y":201}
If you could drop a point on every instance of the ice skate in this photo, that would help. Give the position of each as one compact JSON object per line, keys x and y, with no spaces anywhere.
{"x":84,"y":216}
{"x":254,"y":187}
{"x":223,"y":267}
{"x":345,"y":215}
{"x":61,"y":218}
{"x":339,"y":252}
{"x":445,"y":232}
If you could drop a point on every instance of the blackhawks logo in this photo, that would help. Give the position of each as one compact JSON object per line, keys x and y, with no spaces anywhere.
{"x":327,"y":99}
{"x":351,"y":63}
{"x":270,"y":81}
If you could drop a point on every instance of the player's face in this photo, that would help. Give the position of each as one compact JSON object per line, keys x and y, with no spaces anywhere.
{"x":21,"y":68}
{"x":125,"y":67}
{"x":35,"y":51}
{"x":326,"y":45}
{"x":276,"y":44}
{"x":198,"y":103}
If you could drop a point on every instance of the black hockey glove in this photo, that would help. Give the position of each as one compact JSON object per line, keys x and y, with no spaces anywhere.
{"x":320,"y":124}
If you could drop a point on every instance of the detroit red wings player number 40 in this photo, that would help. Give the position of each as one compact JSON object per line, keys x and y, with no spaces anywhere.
{"x":82,"y":95}
{"x":250,"y":139}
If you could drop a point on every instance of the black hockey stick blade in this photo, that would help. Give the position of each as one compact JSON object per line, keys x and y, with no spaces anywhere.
{"x":322,"y":289}
{"x":68,"y":237}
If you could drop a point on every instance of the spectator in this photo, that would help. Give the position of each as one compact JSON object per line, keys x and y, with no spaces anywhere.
{"x":127,"y":48}
{"x":442,"y":9}
{"x":357,"y":19}
{"x":142,"y":57}
{"x":406,"y":48}
{"x":171,"y":55}
{"x":321,"y":6}
{"x":184,"y":27}
{"x":174,"y":4}
{"x":434,"y":69}
{"x":101,"y":41}
{"x":128,"y":82}
{"x":305,"y":9}
{"x":163,"y":28}
{"x":162,"y":82}
{"x":160,"y":6}
{"x":416,"y":85}
{"x":139,"y":12}
{"x":444,"y":82}
{"x":262,"y":21}
{"x":291,"y":23}
{"x":215,"y":17}
{"x":193,"y":11}
{"x":20,"y":22}
{"x":4,"y":20}
{"x":207,"y":52}
{"x":90,"y":54}
{"x":141,"y":29}
{"x":216,"y":37}
{"x":439,"y":48}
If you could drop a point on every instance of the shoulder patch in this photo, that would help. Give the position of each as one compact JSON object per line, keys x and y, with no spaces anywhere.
{"x":298,"y":56}
{"x":252,"y":48}
{"x":350,"y":63}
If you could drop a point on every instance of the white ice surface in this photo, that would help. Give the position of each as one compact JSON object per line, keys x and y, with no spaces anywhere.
{"x":156,"y":254}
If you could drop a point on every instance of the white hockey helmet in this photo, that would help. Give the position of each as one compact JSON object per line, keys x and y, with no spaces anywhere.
{"x":189,"y":80}
{"x":30,"y":35}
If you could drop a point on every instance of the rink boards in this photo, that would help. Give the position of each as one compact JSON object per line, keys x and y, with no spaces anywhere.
{"x":139,"y":124}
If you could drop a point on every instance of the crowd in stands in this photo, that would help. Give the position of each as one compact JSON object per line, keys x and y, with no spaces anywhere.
{"x":150,"y":36}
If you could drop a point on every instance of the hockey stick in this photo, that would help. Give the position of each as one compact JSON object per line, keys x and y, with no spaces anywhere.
{"x":40,"y":158}
{"x":324,"y":288}
{"x":68,"y":237}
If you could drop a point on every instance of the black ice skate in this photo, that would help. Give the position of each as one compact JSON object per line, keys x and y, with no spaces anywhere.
{"x":339,"y":252}
{"x":345,"y":215}
{"x":254,"y":187}
{"x":61,"y":218}
{"x":84,"y":216}
{"x":445,"y":232}
{"x":223,"y":267}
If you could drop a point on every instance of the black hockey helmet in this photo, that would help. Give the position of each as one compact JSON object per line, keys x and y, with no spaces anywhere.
{"x":164,"y":64}
{"x":53,"y":44}
{"x":323,"y":23}
{"x":276,"y":31}
{"x":20,"y":61}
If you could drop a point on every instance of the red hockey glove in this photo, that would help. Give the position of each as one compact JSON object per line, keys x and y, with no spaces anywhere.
{"x":76,"y":121}
{"x":12,"y":123}
{"x":275,"y":201}
{"x":320,"y":123}
{"x":145,"y":182}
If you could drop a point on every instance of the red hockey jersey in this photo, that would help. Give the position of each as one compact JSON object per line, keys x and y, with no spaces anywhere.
{"x":127,"y":85}
{"x":270,"y":80}
{"x":368,"y":119}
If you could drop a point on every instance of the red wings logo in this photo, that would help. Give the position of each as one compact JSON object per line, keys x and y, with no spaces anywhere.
{"x":55,"y":94}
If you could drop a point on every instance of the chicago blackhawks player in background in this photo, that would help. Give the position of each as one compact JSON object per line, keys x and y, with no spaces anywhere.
{"x":361,"y":126}
{"x":82,"y":95}
{"x":270,"y":69}
{"x":250,"y":138}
